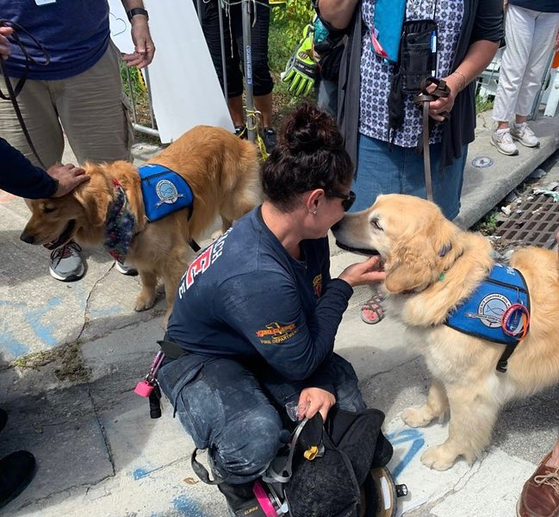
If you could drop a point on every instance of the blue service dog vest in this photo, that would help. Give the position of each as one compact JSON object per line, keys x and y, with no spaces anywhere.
{"x":483,"y":314}
{"x":164,"y":191}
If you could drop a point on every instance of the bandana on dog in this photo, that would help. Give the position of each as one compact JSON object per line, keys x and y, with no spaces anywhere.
{"x":119,"y":230}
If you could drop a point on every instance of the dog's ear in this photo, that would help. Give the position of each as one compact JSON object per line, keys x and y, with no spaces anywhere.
{"x":409,"y":267}
{"x":94,"y":196}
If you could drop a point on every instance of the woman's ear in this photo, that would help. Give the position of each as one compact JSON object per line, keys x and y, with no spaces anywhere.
{"x":314,"y":200}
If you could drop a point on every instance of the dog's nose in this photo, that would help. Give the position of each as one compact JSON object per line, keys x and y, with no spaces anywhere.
{"x":29,"y":239}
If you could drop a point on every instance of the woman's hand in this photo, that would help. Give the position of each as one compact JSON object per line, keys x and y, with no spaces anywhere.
{"x":445,"y":104}
{"x":68,"y":176}
{"x":315,"y":400}
{"x":4,"y":43}
{"x":369,"y":272}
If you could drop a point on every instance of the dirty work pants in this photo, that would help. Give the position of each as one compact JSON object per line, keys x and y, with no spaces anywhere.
{"x":234,"y":411}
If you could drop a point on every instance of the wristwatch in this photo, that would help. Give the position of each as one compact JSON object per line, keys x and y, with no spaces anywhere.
{"x":135,"y":11}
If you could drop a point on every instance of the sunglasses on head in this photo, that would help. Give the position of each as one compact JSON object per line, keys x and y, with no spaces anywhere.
{"x":347,"y":199}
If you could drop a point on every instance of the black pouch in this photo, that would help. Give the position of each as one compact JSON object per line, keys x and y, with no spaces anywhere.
{"x":418,"y":53}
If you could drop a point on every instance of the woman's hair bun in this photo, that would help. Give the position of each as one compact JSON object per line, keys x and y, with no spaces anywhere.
{"x":308,"y":129}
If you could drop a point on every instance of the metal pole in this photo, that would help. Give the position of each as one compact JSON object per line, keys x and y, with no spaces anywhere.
{"x":222,"y":42}
{"x":247,"y":43}
{"x":537,"y":100}
{"x":148,"y":86}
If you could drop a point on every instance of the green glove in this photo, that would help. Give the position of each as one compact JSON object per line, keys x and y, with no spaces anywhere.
{"x":300,"y":71}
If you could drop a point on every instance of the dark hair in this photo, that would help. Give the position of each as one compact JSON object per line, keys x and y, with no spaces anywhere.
{"x":310,"y":155}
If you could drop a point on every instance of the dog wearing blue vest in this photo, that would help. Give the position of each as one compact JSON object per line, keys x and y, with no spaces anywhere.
{"x":151,"y":216}
{"x":443,"y":285}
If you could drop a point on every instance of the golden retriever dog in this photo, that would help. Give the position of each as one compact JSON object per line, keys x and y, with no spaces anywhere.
{"x":432,"y":266}
{"x":223,"y":173}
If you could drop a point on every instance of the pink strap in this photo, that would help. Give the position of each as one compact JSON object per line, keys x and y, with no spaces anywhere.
{"x":263,"y":500}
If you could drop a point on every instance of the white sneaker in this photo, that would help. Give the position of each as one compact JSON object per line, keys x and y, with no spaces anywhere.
{"x":524,"y":135}
{"x":502,"y":140}
{"x":125,"y":270}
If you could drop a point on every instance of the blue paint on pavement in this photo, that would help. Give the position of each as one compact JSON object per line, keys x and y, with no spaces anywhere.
{"x":44,"y":330}
{"x":187,"y":506}
{"x":413,"y":436}
{"x":140,"y":473}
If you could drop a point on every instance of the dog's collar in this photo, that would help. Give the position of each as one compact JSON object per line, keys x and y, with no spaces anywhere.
{"x":120,"y":225}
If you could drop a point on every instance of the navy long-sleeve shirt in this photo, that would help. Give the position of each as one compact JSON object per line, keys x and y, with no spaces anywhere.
{"x":246,"y":297}
{"x":20,"y":177}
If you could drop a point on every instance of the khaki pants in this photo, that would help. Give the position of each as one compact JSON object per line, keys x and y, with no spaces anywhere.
{"x":90,"y":108}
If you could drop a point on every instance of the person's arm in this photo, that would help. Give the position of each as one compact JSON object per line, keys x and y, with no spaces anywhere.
{"x":484,"y":42}
{"x":265,"y":308}
{"x":20,"y":177}
{"x":143,"y":44}
{"x":337,"y":13}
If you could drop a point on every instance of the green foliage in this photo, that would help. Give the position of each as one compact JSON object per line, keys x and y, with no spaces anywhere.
{"x":488,"y":224}
{"x":292,"y":18}
{"x":483,"y":103}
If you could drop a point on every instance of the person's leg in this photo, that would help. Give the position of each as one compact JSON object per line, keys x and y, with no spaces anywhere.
{"x":93,"y":110}
{"x":540,"y":494}
{"x":543,"y":39}
{"x":447,"y":182}
{"x":224,"y":409}
{"x":519,"y":31}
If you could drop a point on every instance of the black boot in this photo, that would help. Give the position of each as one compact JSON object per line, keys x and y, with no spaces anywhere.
{"x":3,"y":418}
{"x":241,"y":500}
{"x":16,"y":472}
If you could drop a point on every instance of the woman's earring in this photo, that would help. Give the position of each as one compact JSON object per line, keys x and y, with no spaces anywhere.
{"x":314,"y":213}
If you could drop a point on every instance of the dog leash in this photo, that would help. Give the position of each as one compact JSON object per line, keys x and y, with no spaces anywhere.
{"x":14,"y":92}
{"x":422,"y":101}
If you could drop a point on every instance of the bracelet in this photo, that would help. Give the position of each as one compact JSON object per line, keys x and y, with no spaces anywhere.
{"x":464,"y":82}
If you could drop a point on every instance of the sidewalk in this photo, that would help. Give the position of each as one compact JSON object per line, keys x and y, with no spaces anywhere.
{"x":99,"y":454}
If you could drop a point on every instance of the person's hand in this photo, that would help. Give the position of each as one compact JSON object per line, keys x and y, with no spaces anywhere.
{"x":5,"y":50}
{"x":144,"y":49}
{"x":445,"y":104}
{"x":300,"y":71}
{"x":69,"y":177}
{"x":315,"y":400}
{"x":369,"y":272}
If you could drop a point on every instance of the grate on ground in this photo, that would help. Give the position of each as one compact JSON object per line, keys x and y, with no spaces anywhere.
{"x":534,"y":222}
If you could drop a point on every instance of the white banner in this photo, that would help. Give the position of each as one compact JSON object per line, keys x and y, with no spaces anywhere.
{"x":184,"y":85}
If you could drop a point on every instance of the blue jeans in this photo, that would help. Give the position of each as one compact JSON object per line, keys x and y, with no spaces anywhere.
{"x":400,"y":171}
{"x":234,"y":411}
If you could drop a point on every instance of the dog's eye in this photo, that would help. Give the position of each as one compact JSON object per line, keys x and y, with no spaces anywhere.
{"x":374,"y":222}
{"x":48,"y":209}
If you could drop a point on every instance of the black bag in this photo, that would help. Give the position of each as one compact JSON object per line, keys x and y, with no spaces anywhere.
{"x":329,"y":485}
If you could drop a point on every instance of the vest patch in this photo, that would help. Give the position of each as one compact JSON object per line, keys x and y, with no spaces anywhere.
{"x":485,"y":313}
{"x":164,"y":191}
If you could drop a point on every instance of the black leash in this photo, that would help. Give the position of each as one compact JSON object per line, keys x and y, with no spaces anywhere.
{"x":422,"y":101}
{"x":14,"y":92}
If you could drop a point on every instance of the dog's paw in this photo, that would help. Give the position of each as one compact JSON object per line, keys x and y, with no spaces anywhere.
{"x":143,"y":303}
{"x":438,"y":458}
{"x":415,"y":417}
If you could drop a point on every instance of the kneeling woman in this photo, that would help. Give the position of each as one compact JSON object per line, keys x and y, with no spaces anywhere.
{"x":257,"y":312}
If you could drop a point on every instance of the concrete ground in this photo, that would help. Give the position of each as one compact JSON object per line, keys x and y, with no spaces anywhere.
{"x":71,"y":354}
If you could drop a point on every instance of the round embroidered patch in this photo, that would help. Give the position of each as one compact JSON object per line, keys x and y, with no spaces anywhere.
{"x":166,"y":191}
{"x":492,"y":307}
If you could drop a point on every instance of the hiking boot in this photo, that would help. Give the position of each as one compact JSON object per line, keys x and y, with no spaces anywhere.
{"x":125,"y":270}
{"x":540,"y":495}
{"x":502,"y":140}
{"x":241,"y":132}
{"x":16,"y":472}
{"x":270,"y":139}
{"x":524,"y":135}
{"x":66,"y":263}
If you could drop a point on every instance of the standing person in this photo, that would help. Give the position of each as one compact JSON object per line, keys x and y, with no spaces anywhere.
{"x":258,"y":333}
{"x":234,"y":55}
{"x":468,"y":36}
{"x":78,"y":93}
{"x":530,"y":34}
{"x":20,"y":177}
